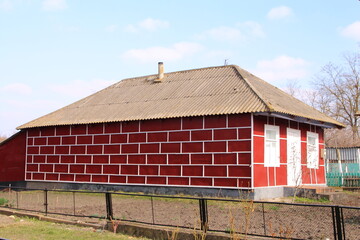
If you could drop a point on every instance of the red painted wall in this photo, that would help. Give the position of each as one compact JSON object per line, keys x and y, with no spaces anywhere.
{"x":213,"y":151}
{"x":277,"y":176}
{"x":12,"y":158}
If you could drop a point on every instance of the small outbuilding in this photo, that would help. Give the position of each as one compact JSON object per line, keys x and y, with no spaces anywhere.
{"x":200,"y":131}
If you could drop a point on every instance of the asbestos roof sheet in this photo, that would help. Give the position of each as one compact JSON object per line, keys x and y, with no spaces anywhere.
{"x":197,"y":92}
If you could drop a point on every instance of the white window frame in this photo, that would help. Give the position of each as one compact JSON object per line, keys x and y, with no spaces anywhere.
{"x":312,"y":151}
{"x":271,"y":160}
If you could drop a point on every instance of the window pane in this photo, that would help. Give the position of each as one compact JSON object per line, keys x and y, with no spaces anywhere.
{"x":312,"y":151}
{"x":272,"y":146}
{"x":311,"y":140}
{"x":271,"y":134}
{"x":273,"y":153}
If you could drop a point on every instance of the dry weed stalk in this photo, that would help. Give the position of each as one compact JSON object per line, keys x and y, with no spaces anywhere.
{"x":284,"y":233}
{"x":272,"y":233}
{"x":234,"y":235}
{"x":247,"y":207}
{"x":197,"y":232}
{"x":174,"y":234}
{"x":115,"y":224}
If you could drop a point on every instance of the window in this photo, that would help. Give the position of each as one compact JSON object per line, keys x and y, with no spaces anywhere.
{"x":272,"y":146}
{"x":312,"y":150}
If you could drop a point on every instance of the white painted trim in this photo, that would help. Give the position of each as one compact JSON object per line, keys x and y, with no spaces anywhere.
{"x":296,"y":132}
{"x":309,"y":164}
{"x":277,"y":157}
{"x":252,"y":151}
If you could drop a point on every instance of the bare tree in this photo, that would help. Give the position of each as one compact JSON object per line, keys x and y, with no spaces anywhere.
{"x":338,"y":93}
{"x":340,"y":138}
{"x":292,"y":88}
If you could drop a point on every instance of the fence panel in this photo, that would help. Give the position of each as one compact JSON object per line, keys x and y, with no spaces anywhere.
{"x":132,"y":208}
{"x":60,"y":202}
{"x":278,"y":220}
{"x":298,"y":221}
{"x":89,"y":204}
{"x":28,"y":200}
{"x":351,"y":180}
{"x":334,"y":179}
{"x":177,"y":212}
{"x":235,"y":217}
{"x":351,"y":222}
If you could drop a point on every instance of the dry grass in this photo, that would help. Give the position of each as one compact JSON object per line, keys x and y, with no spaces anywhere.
{"x":27,"y":228}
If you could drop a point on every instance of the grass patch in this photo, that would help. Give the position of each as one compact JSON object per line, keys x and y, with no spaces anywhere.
{"x":32,"y":229}
{"x":357,"y":192}
{"x":271,"y":206}
{"x":3,"y":201}
{"x":274,"y":207}
{"x":310,"y":200}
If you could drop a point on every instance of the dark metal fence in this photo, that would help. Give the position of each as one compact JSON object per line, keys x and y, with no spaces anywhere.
{"x":258,"y":218}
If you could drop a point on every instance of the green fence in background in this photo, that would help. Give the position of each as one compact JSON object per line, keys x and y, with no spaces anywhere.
{"x":351,"y":180}
{"x":346,"y":168}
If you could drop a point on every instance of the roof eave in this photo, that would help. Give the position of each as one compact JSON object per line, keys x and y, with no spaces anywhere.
{"x":301,"y":119}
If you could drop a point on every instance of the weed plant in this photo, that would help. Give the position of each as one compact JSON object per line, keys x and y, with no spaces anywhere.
{"x":3,"y":202}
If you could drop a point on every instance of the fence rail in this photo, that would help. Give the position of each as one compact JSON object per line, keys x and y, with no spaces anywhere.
{"x":258,"y":218}
{"x":350,"y":180}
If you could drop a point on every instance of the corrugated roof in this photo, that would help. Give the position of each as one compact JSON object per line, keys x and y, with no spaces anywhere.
{"x":197,"y":92}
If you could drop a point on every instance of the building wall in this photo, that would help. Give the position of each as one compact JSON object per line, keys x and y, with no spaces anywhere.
{"x":12,"y":158}
{"x":212,"y":151}
{"x":277,"y":176}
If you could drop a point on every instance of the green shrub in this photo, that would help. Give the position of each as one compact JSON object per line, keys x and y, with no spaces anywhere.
{"x":3,"y":201}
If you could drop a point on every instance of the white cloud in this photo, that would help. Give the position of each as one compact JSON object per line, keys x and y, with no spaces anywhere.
{"x":111,"y":28}
{"x":219,"y":54}
{"x":153,"y":24}
{"x":131,"y":28}
{"x":279,"y":12}
{"x":148,"y":24}
{"x":281,"y":69}
{"x":79,"y":88}
{"x":251,"y":28}
{"x":54,"y":5}
{"x":175,"y":52}
{"x":17,"y":88}
{"x":31,"y":103}
{"x":352,"y":31}
{"x":225,"y":33}
{"x":242,"y":31}
{"x":6,"y":5}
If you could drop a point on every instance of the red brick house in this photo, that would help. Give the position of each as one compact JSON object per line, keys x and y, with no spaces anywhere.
{"x":194,"y":131}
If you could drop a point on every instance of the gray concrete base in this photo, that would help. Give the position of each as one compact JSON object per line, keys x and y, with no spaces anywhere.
{"x":268,"y":193}
{"x":20,"y":184}
{"x":157,"y":190}
{"x":306,"y":192}
{"x":254,"y":194}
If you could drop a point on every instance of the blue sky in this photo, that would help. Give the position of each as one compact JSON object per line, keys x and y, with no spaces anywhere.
{"x":54,"y":52}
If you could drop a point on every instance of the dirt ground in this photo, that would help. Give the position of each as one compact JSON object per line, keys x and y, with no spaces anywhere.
{"x":270,"y":219}
{"x":6,"y":220}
